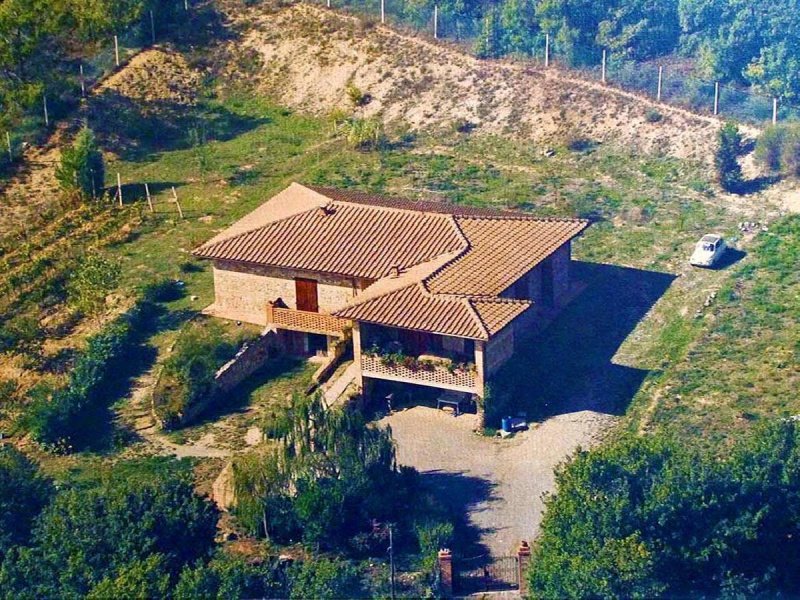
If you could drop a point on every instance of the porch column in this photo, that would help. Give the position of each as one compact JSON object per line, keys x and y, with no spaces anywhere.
{"x":445,"y":558}
{"x":357,"y":355}
{"x":523,"y":563}
{"x":480,"y":369}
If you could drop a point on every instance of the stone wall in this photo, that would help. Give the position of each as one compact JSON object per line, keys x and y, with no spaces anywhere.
{"x":250,"y":357}
{"x":242,"y":291}
{"x":561,"y":284}
{"x":499,"y":349}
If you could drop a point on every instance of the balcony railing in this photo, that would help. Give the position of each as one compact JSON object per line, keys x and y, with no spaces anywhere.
{"x":438,"y":376}
{"x":309,"y":322}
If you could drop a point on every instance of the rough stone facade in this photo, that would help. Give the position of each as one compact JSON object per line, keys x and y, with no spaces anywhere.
{"x":242,"y":291}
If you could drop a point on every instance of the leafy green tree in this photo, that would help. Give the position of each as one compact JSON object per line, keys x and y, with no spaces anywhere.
{"x":228,"y":577}
{"x":125,"y":537}
{"x":519,"y":29}
{"x":92,"y":280}
{"x":647,"y":516}
{"x":331,"y":476}
{"x":490,"y":43}
{"x":82,"y":169}
{"x":138,"y":580}
{"x":729,"y":147}
{"x":640,"y":29}
{"x":325,"y":579}
{"x":23,"y":494}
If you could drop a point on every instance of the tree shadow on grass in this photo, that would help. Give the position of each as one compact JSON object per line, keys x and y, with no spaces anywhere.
{"x":569,"y":367}
{"x":461,"y":494}
{"x":136,"y":130}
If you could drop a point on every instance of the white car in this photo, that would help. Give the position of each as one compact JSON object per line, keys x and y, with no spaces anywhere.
{"x":708,"y":251}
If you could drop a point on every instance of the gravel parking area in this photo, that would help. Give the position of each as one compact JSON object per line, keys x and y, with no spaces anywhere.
{"x":496,"y":484}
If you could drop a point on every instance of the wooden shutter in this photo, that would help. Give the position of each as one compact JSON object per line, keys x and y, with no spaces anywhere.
{"x":306,"y":290}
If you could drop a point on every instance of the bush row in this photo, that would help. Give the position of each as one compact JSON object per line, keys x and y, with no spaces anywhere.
{"x":57,"y":421}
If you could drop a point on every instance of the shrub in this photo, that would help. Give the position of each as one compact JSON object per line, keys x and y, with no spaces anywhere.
{"x":91,"y":281}
{"x":187,"y":378}
{"x":365,"y":134}
{"x":790,"y":154}
{"x":59,"y":421}
{"x":729,"y":146}
{"x":82,"y":169}
{"x":325,"y":579}
{"x":356,"y":96}
{"x":769,"y":147}
{"x":653,"y":116}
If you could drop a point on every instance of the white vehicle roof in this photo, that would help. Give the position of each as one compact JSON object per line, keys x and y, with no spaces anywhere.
{"x":711,"y":238}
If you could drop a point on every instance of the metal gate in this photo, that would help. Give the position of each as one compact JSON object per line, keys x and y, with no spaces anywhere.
{"x":484,"y":574}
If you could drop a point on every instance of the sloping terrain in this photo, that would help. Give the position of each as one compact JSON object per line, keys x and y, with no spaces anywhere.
{"x":306,"y":57}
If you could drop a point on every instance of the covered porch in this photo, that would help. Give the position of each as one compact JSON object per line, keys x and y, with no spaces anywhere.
{"x":419,"y":357}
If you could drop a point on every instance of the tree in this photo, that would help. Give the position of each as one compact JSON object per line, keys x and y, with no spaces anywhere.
{"x":92,"y":280}
{"x":23,"y":494}
{"x":325,"y":579}
{"x":82,"y":169}
{"x":726,"y":159}
{"x":490,"y":41}
{"x":124,"y":536}
{"x":330,"y":477}
{"x":648,"y":516}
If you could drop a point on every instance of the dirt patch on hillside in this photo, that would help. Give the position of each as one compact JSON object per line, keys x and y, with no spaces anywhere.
{"x":309,"y":56}
{"x":155,"y":75}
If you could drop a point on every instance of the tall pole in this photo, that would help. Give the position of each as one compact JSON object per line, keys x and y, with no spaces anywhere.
{"x":603,"y":67}
{"x":8,"y":143}
{"x":716,"y":97}
{"x":46,"y":116}
{"x":152,"y":28}
{"x":83,"y":81}
{"x":774,"y":111}
{"x":329,"y":3}
{"x":119,"y":189}
{"x":660,"y":78}
{"x":435,"y":22}
{"x":391,"y":561}
{"x":116,"y":50}
{"x":383,"y":11}
{"x":546,"y":49}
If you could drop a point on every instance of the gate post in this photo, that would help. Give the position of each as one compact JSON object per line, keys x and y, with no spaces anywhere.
{"x":523,"y":561}
{"x":445,"y":558}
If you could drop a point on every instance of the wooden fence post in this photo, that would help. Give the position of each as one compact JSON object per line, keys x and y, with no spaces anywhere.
{"x":383,"y":11}
{"x":774,"y":111}
{"x":8,"y":143}
{"x":660,"y":79}
{"x":83,"y":81}
{"x":603,"y":68}
{"x":546,"y":49}
{"x":175,"y":199}
{"x":119,"y":189}
{"x":147,"y":194}
{"x":435,"y":22}
{"x":116,"y":50}
{"x":716,"y":97}
{"x":152,"y":28}
{"x":46,"y":116}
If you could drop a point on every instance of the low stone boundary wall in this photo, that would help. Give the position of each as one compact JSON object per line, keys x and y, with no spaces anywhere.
{"x":250,"y":357}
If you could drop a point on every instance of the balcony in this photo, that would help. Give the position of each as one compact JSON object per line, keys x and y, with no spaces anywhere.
{"x":308,"y":322}
{"x":420,"y":372}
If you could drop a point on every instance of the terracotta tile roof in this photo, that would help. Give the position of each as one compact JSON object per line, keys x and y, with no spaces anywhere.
{"x":346,"y":239}
{"x":454,"y":261}
{"x":412,"y":307}
{"x":501,"y":251}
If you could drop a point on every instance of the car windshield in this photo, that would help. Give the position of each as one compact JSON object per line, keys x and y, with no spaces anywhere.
{"x":708,"y":247}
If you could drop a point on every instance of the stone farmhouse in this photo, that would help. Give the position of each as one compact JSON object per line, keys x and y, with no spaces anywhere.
{"x":427,"y":293}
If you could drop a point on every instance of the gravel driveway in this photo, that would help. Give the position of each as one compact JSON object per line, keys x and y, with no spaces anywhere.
{"x":496,"y":484}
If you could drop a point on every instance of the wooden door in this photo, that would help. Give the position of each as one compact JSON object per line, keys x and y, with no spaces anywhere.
{"x":306,"y":290}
